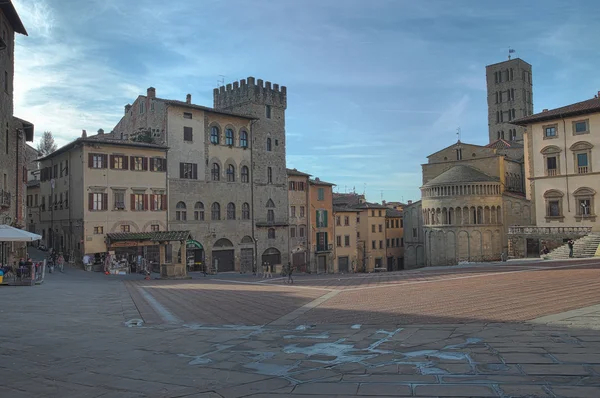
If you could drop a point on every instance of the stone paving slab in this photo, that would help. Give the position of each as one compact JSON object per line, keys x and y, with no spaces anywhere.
{"x":69,"y":338}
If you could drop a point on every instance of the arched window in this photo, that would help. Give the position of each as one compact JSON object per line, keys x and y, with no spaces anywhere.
{"x":180,"y":212}
{"x":245,"y":174}
{"x":270,"y":215}
{"x":268,"y":144}
{"x":199,"y":211}
{"x":271,"y":233}
{"x":245,"y":211}
{"x":215,"y":211}
{"x":243,"y":139}
{"x":231,"y":173}
{"x":216,"y":172}
{"x":229,"y":137}
{"x":269,"y":175}
{"x":214,"y":135}
{"x":231,"y":211}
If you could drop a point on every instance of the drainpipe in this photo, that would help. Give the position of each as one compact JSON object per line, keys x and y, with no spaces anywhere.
{"x":566,"y":165}
{"x":17,"y":144}
{"x":252,"y":195}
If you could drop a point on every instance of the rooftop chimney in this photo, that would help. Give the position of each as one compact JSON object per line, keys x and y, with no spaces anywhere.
{"x":151,"y":92}
{"x":100,"y":131}
{"x":127,"y":108}
{"x":410,"y":202}
{"x":317,"y":179}
{"x":598,"y":95}
{"x":545,"y":110}
{"x":83,"y":134}
{"x":188,"y":98}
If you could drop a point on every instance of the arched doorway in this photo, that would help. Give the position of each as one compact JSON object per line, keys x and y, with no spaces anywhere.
{"x":195,"y":255}
{"x":223,"y":258}
{"x":271,"y":256}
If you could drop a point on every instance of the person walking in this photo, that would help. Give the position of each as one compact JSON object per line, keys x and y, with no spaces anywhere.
{"x":269,"y":270}
{"x":61,"y":262}
{"x":289,"y":270}
{"x":571,"y":244}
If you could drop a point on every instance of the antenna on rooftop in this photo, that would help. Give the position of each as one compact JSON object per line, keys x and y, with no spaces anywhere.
{"x":382,"y":196}
{"x":221,"y":81}
{"x":458,"y":132}
{"x":510,"y":51}
{"x":365,"y":189}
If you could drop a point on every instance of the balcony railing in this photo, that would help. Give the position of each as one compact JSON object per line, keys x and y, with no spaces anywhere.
{"x":521,"y":230}
{"x":552,"y":172}
{"x":582,"y":169}
{"x":327,"y":247}
{"x":263,"y":222}
{"x":4,"y":198}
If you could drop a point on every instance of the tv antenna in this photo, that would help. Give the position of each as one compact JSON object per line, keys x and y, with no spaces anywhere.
{"x":221,"y":81}
{"x":458,"y":133}
{"x":510,"y":51}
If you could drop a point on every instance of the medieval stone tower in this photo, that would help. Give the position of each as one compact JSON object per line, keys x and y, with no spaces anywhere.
{"x":266,"y":103}
{"x":509,"y":97}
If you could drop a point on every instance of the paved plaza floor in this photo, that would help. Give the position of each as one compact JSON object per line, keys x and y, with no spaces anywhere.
{"x":504,"y":330}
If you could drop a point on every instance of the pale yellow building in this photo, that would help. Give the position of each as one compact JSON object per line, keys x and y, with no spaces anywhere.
{"x":562,"y":167}
{"x":371,"y":236}
{"x":562,"y":164}
{"x":99,"y":185}
{"x":394,"y":239}
{"x":346,"y":238}
{"x":298,"y":198}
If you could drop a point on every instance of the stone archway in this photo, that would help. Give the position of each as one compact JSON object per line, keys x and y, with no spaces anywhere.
{"x":271,"y":256}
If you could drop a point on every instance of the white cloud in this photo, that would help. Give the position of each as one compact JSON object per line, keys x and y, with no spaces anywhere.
{"x":62,"y":84}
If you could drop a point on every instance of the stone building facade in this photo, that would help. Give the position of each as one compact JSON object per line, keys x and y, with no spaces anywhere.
{"x":561,"y":162}
{"x":266,"y":104}
{"x":98,"y":185}
{"x":322,"y":233}
{"x":470,"y":195}
{"x":394,"y":239}
{"x":226,"y":170}
{"x":371,"y":239}
{"x":346,"y":238}
{"x":14,"y":134}
{"x":509,"y":96}
{"x":414,"y":239}
{"x":299,"y":216}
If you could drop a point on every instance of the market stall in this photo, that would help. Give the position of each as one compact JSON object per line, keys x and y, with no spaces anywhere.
{"x":26,"y":273}
{"x":139,"y":251}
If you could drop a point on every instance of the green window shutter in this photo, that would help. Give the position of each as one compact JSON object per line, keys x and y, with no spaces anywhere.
{"x":325,"y":218}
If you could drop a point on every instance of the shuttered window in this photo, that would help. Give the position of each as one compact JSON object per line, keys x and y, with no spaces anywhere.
{"x":97,"y":161}
{"x":97,"y":201}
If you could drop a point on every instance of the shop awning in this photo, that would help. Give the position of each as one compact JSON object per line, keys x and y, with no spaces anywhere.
{"x":194,"y":243}
{"x":11,"y":234}
{"x":157,"y":236}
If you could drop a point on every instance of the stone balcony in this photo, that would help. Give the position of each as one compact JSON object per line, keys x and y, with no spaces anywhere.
{"x":519,"y":230}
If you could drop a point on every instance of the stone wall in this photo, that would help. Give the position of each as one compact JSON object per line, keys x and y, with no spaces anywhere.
{"x":267,"y":103}
{"x":414,"y":246}
{"x":522,"y":105}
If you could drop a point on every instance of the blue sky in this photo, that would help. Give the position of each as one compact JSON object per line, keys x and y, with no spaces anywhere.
{"x":373,"y":87}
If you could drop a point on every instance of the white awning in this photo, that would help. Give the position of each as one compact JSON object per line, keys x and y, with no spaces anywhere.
{"x":11,"y":234}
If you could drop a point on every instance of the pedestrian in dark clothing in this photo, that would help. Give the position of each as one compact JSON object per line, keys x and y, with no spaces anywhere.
{"x":570,"y":243}
{"x":289,"y":270}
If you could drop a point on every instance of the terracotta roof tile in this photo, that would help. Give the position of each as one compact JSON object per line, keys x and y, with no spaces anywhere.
{"x":579,"y":108}
{"x":460,"y":173}
{"x":157,"y":236}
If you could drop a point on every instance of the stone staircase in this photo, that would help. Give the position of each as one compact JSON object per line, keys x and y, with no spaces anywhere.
{"x":584,"y":247}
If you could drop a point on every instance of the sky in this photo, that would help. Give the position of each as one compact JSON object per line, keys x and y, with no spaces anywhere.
{"x":373,"y":87}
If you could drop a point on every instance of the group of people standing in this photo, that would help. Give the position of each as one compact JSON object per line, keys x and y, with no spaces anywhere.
{"x":287,"y":270}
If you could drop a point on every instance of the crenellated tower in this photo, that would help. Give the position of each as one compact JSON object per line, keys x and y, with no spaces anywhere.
{"x":266,"y":102}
